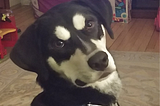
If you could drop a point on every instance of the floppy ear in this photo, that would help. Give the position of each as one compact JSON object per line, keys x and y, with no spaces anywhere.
{"x":27,"y":52}
{"x":103,"y":10}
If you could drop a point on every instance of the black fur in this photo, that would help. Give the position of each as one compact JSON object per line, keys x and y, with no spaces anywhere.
{"x":32,"y":50}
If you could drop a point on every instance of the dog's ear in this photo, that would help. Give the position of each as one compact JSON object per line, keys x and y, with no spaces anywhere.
{"x":27,"y":53}
{"x":103,"y":10}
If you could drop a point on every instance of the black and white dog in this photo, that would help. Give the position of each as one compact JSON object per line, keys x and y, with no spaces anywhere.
{"x":66,"y":47}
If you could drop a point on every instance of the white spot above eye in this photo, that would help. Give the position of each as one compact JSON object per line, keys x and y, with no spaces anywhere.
{"x":79,"y":21}
{"x":62,"y":33}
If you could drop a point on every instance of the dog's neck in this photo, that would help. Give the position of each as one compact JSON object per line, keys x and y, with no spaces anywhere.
{"x":65,"y":92}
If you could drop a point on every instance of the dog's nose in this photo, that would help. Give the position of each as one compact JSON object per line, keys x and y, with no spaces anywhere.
{"x":99,"y":61}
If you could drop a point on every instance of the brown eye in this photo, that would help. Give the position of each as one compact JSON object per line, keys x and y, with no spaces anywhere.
{"x":89,"y":24}
{"x":59,"y":44}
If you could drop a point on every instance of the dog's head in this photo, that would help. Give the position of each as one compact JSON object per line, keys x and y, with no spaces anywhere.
{"x":71,"y":40}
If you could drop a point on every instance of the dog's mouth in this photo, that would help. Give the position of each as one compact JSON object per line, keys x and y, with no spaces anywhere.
{"x":80,"y":83}
{"x":102,"y":77}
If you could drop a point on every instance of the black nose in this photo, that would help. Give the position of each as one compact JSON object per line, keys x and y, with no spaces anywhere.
{"x":99,"y":61}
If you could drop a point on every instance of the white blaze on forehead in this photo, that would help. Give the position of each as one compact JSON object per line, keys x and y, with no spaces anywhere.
{"x":79,"y":21}
{"x":62,"y":33}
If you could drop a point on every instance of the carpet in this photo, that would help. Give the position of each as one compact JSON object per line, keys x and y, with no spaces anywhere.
{"x":6,"y":57}
{"x":139,"y":73}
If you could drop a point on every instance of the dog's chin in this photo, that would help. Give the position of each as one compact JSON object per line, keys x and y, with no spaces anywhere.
{"x":82,"y":84}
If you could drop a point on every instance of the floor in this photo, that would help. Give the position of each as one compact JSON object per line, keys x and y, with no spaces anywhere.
{"x":136,"y":52}
{"x":138,"y":35}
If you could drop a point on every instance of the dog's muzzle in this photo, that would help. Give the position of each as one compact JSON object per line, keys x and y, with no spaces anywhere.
{"x":98,"y":61}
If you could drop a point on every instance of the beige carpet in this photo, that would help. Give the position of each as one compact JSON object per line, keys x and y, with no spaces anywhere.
{"x":139,"y":73}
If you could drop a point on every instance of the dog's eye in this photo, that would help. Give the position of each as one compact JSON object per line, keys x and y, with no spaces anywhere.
{"x":59,"y":44}
{"x":89,"y":24}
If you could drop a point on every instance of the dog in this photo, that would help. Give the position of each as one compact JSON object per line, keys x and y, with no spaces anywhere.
{"x":66,"y":47}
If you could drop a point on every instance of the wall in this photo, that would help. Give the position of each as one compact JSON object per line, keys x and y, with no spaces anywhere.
{"x":25,"y":2}
{"x":14,"y":2}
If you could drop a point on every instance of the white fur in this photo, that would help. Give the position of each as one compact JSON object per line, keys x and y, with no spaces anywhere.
{"x":103,"y":29}
{"x":79,"y":21}
{"x":75,"y":68}
{"x":62,"y":33}
{"x":109,"y":85}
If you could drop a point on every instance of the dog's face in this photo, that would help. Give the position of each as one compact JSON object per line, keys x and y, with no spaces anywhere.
{"x":78,"y":51}
{"x":71,"y":40}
